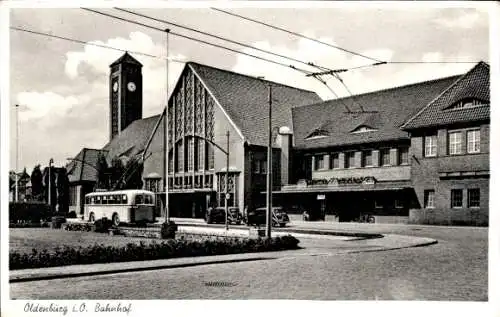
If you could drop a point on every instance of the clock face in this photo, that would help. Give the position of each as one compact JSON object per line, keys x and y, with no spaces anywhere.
{"x":115,"y":86}
{"x":131,"y":86}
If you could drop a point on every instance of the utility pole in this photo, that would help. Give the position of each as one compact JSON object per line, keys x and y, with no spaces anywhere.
{"x":16,"y":197}
{"x":269,"y":191}
{"x":226,"y":199}
{"x":50,"y":184}
{"x":166,"y":136}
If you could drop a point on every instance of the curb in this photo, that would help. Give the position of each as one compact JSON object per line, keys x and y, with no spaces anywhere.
{"x":33,"y":277}
{"x":423,"y":244}
{"x":291,"y":230}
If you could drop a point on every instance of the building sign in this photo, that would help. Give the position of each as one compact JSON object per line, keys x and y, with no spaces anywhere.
{"x":321,"y":197}
{"x":334,"y":181}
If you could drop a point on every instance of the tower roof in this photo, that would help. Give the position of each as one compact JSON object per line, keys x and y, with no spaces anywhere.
{"x":126,"y":59}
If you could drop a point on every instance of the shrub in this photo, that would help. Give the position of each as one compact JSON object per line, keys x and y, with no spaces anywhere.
{"x":75,"y":226}
{"x":28,"y":211}
{"x":102,"y":225}
{"x":41,"y":224}
{"x":168,"y":230}
{"x":142,"y":251}
{"x":57,"y":221}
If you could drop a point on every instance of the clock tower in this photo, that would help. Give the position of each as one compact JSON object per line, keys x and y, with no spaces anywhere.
{"x":125,"y":90}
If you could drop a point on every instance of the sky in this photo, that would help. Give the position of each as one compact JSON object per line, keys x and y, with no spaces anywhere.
{"x":62,"y":87}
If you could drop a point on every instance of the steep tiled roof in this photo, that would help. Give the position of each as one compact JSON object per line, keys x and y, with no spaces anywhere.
{"x":245,"y":100}
{"x":126,"y":58}
{"x":132,"y":140}
{"x":473,"y":84}
{"x":385,"y":111}
{"x":79,"y":171}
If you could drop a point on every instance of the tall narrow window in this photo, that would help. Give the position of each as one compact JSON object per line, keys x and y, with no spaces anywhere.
{"x":334,"y":158}
{"x":473,"y":141}
{"x":210,"y":156}
{"x":429,"y":198}
{"x":366,"y":159}
{"x":190,"y":154}
{"x":201,"y":154}
{"x":180,"y":157}
{"x":263,"y":166}
{"x":455,"y":143}
{"x":403,"y":156}
{"x":473,"y":198}
{"x":385,"y":157}
{"x":456,"y":198}
{"x":430,"y":146}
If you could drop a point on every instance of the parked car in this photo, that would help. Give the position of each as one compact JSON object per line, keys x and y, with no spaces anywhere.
{"x":257,"y":217}
{"x":218,"y":215}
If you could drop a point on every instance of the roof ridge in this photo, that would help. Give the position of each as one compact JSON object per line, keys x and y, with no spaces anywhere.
{"x":383,"y":90}
{"x":442,"y":93}
{"x":252,"y":77}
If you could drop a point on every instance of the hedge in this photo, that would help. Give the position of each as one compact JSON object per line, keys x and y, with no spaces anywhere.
{"x":28,"y":211}
{"x":143,"y":252}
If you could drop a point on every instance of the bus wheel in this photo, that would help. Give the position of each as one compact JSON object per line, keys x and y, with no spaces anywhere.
{"x":115,"y":220}
{"x":91,"y":217}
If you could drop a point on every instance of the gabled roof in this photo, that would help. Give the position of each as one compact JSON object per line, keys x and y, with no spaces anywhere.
{"x":83,"y":167}
{"x":245,"y":100}
{"x":126,"y":59}
{"x":131,"y":141}
{"x":474,"y":84}
{"x":385,"y":110}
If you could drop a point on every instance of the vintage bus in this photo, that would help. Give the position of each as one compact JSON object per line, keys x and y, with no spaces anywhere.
{"x":122,"y":206}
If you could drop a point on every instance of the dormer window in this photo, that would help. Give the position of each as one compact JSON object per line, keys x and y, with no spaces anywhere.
{"x":467,"y":103}
{"x":362,"y":129}
{"x":317,"y":134}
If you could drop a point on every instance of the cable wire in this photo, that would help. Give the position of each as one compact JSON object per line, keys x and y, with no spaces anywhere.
{"x":194,"y":39}
{"x":222,"y":38}
{"x":296,"y":34}
{"x":87,"y":43}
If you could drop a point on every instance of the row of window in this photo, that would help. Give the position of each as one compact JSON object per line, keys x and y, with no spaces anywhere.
{"x":457,"y":199}
{"x":473,"y":139}
{"x":193,"y":157}
{"x":367,"y":159}
{"x":118,"y":199}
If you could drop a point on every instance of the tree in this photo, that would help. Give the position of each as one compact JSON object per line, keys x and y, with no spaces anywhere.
{"x":62,"y":191}
{"x":53,"y":190}
{"x":115,"y":171}
{"x":133,"y":177}
{"x":37,"y":183}
{"x":103,"y":174}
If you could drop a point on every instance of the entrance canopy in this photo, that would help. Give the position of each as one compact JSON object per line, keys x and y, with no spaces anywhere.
{"x":379,"y":186}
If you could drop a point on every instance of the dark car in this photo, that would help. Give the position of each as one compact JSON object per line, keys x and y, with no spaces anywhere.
{"x":218,"y":215}
{"x":257,"y":217}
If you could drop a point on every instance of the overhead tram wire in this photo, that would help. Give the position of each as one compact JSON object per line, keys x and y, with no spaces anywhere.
{"x":196,"y":40}
{"x":218,"y":46}
{"x":223,"y":39}
{"x":88,"y":43}
{"x":296,"y":34}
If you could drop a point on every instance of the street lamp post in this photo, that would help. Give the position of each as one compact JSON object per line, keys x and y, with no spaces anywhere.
{"x":50,"y":183}
{"x":227,"y":178}
{"x":16,"y":197}
{"x":269,"y":192}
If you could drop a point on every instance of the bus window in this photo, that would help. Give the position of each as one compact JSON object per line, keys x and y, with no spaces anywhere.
{"x":148,"y":200}
{"x":98,"y":200}
{"x":124,"y":199}
{"x":139,"y":199}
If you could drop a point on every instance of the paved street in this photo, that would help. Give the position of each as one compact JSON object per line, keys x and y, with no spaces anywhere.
{"x":454,"y":269}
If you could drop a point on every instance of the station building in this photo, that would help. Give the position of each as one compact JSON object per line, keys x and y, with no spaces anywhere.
{"x":336,"y":159}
